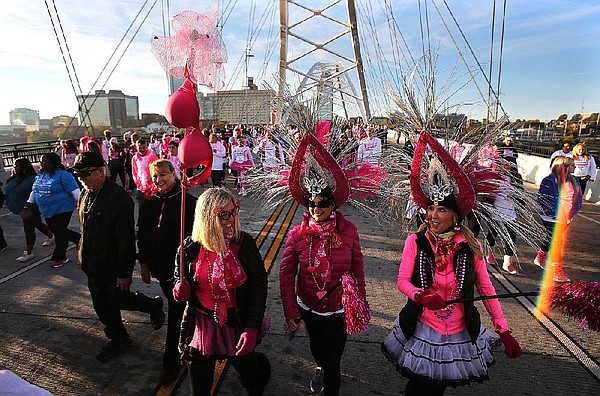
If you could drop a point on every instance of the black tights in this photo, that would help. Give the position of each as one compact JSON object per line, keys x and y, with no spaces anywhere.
{"x":253,"y":368}
{"x":423,"y":387}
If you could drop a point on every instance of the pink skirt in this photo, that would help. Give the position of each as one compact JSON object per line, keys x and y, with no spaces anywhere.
{"x":210,"y":339}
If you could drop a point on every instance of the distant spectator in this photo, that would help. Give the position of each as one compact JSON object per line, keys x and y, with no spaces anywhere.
{"x":565,"y":151}
{"x":17,"y":190}
{"x":106,"y":144}
{"x":140,"y":167}
{"x":68,"y":152}
{"x":369,"y":150}
{"x":457,"y":151}
{"x":116,"y":161}
{"x":585,"y":166}
{"x":508,"y":151}
{"x":55,"y":192}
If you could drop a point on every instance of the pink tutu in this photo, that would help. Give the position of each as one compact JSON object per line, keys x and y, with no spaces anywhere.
{"x":210,"y":339}
{"x":240,"y":166}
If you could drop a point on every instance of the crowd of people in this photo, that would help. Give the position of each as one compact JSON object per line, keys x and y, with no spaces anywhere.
{"x":215,"y":282}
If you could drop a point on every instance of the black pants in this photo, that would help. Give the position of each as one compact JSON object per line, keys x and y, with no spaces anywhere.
{"x":118,"y":171}
{"x":31,"y":223}
{"x":171,"y":358}
{"x":109,"y":300}
{"x":217,"y":177}
{"x":491,"y":238}
{"x":59,"y":224}
{"x":327,"y":343}
{"x":253,"y":368}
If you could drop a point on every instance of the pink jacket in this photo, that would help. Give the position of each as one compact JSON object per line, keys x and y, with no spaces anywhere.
{"x":294,"y":277}
{"x":455,"y":323}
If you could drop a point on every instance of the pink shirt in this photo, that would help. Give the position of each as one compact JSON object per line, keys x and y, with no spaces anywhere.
{"x":455,"y":323}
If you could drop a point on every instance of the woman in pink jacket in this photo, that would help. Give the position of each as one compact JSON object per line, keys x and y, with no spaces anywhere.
{"x":435,"y":344}
{"x":318,"y":252}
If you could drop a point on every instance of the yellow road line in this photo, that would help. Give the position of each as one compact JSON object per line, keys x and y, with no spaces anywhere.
{"x":268,"y":225}
{"x":278,"y":241}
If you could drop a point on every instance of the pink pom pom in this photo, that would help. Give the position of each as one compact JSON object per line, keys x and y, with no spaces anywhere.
{"x":356,"y":308}
{"x":181,"y":291}
{"x":578,"y":301}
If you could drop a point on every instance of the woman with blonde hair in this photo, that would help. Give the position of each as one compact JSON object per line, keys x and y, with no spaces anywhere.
{"x":560,"y":198}
{"x":435,"y":342}
{"x":585,"y":166}
{"x":224,"y":282}
{"x":159,"y":227}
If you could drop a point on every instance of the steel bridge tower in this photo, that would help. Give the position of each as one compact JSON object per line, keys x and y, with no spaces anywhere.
{"x":309,"y":32}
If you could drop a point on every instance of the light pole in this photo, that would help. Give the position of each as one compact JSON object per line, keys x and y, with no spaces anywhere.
{"x":247,"y":55}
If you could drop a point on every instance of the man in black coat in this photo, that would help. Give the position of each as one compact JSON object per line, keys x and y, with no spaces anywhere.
{"x":107,"y":252}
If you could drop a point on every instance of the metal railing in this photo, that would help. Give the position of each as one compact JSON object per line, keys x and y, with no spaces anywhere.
{"x":32,"y":151}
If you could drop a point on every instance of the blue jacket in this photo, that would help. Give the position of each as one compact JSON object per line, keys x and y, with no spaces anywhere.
{"x":548,"y":197}
{"x":17,"y":192}
{"x":53,"y":192}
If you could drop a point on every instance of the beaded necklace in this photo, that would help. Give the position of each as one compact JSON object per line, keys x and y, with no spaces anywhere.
{"x":311,"y":268}
{"x":426,"y":270}
{"x":89,"y":202}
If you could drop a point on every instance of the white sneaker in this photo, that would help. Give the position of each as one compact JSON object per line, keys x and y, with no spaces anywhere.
{"x":508,"y":266}
{"x":25,"y":256}
{"x":48,"y":241}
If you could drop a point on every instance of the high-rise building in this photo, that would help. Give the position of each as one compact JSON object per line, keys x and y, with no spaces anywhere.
{"x":113,"y":109}
{"x":246,"y":106}
{"x":27,"y":117}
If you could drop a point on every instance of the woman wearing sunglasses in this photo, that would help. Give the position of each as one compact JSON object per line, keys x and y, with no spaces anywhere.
{"x":225,"y":285}
{"x":318,"y":251}
{"x":158,"y":239}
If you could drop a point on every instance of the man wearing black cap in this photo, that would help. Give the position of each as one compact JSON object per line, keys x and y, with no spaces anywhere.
{"x":107,"y":252}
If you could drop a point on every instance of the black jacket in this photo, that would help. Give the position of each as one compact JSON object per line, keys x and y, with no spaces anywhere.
{"x":107,"y":246}
{"x":251,"y":297}
{"x":157,"y":246}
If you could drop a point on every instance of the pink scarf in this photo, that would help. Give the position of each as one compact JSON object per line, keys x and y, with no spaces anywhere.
{"x":225,"y":273}
{"x":445,"y":247}
{"x":324,"y":232}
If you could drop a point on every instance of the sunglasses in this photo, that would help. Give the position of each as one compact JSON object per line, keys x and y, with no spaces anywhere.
{"x":321,"y":204}
{"x":224,"y":215}
{"x":85,"y":172}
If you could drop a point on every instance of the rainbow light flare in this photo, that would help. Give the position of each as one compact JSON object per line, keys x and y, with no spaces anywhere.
{"x":555,"y":254}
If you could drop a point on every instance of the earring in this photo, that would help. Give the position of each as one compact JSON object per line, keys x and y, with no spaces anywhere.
{"x":456,"y":227}
{"x":426,"y":220}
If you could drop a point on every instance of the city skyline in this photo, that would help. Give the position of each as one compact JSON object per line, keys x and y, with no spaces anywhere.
{"x":550,"y":53}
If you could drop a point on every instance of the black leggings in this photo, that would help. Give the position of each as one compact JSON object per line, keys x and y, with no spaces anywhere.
{"x":327,"y":342}
{"x":253,"y":368}
{"x":31,"y":223}
{"x":59,"y":224}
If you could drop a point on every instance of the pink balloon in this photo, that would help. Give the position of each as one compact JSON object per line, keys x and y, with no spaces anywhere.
{"x":195,"y":150}
{"x":182,"y":108}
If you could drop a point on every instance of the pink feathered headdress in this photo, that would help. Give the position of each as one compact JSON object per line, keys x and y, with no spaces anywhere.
{"x":314,"y":172}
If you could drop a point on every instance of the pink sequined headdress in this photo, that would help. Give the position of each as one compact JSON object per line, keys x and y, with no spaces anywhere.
{"x":315,"y":172}
{"x":440,"y":180}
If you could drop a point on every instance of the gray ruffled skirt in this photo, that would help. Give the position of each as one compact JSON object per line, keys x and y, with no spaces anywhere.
{"x":428,"y":355}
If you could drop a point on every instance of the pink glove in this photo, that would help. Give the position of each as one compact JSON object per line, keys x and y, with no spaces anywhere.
{"x":181,"y":291}
{"x":247,"y":342}
{"x":431,"y":300}
{"x":512,"y":349}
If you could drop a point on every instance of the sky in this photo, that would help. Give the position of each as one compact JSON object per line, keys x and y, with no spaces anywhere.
{"x":550,"y":57}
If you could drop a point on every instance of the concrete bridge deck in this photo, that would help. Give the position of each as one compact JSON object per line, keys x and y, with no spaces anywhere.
{"x":50,"y":333}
